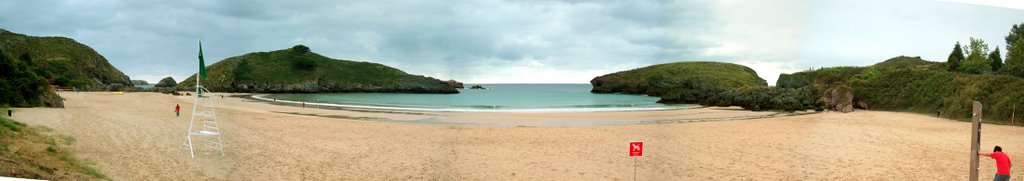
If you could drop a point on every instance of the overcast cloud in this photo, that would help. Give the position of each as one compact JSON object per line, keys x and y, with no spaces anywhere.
{"x":489,"y":41}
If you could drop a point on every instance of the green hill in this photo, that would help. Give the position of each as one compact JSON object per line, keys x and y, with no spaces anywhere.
{"x":681,"y":82}
{"x":166,"y":82}
{"x":298,"y":70}
{"x":832,"y":75}
{"x":823,"y":76}
{"x":915,"y":85}
{"x":64,"y":61}
{"x":910,"y":62}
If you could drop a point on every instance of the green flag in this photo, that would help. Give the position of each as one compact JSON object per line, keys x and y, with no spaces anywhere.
{"x":202,"y":65}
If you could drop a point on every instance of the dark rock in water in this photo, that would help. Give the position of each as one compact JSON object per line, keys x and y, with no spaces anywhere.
{"x":172,"y":92}
{"x":477,"y":87}
{"x":839,"y":98}
{"x":455,"y":84}
{"x":139,"y":82}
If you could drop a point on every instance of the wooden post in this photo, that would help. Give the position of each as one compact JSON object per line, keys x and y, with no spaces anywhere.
{"x":975,"y":140}
{"x":634,"y":168}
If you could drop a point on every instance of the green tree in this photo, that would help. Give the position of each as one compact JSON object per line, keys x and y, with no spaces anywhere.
{"x":977,"y":57}
{"x":1015,"y":60}
{"x":996,"y":60}
{"x":25,"y":57}
{"x":955,"y":57}
{"x":62,"y":81}
{"x":300,"y":49}
{"x":19,"y":86}
{"x":1016,"y":34}
{"x":1014,"y":54}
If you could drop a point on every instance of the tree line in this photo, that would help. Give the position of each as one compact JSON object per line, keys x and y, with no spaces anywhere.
{"x":975,"y":57}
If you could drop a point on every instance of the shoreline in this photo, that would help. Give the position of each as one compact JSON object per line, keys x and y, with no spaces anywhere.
{"x":471,"y":118}
{"x":528,"y":110}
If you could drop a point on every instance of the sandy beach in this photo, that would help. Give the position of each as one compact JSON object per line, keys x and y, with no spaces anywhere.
{"x":135,"y":136}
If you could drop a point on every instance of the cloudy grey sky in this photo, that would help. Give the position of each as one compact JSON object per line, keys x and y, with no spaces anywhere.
{"x":530,"y":41}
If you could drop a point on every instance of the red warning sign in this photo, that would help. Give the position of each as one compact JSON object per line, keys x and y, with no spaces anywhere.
{"x":636,"y":149}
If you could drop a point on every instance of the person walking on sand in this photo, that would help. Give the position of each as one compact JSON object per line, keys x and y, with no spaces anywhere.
{"x":1002,"y":163}
{"x":177,"y":110}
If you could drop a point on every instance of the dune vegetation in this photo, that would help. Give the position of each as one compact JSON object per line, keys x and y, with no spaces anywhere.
{"x":37,"y":153}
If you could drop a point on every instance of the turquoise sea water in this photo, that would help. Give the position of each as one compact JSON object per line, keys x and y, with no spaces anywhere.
{"x":497,"y":97}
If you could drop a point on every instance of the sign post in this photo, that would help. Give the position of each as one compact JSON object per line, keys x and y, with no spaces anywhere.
{"x":975,"y":140}
{"x":636,"y":149}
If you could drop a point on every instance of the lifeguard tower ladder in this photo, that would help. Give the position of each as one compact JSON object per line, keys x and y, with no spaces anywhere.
{"x":208,"y":132}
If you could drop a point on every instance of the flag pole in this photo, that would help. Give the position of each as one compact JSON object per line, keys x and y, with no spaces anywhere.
{"x":198,"y":73}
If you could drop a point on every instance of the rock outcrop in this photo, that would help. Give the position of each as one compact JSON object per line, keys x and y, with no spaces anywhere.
{"x":455,"y":84}
{"x":839,"y":98}
{"x":51,"y":99}
{"x":166,"y":82}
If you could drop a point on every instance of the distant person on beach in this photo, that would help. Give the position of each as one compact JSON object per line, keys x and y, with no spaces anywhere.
{"x":9,"y":113}
{"x":1002,"y":163}
{"x":177,"y":110}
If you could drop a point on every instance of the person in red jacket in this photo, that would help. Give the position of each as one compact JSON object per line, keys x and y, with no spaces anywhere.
{"x":1002,"y":163}
{"x":177,"y":110}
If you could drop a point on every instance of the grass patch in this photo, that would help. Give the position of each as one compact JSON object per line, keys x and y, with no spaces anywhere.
{"x":35,"y":153}
{"x":12,"y":125}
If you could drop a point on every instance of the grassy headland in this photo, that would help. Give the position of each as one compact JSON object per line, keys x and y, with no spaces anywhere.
{"x":301,"y":71}
{"x":681,"y":82}
{"x":64,"y":61}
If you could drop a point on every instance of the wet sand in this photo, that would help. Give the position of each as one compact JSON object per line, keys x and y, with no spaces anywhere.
{"x":136,"y":136}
